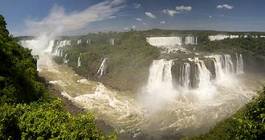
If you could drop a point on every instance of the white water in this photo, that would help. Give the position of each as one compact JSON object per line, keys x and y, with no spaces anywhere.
{"x":185,"y":76}
{"x":59,"y":46}
{"x":239,"y":64}
{"x":205,"y":87}
{"x":191,"y":40}
{"x":65,"y":59}
{"x":79,"y":61}
{"x":161,"y":81}
{"x":102,"y":68}
{"x":222,"y":37}
{"x":229,"y":65}
{"x":172,"y":42}
{"x":79,"y":41}
{"x":168,"y":42}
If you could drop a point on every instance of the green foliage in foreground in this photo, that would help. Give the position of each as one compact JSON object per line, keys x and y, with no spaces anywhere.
{"x":25,"y":113}
{"x":246,"y":124}
{"x":44,"y":120}
{"x":18,"y":74}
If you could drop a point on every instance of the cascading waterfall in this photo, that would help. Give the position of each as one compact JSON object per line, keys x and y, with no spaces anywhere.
{"x":239,"y":64}
{"x":65,"y":60}
{"x":50,"y":46}
{"x":229,"y":65}
{"x":185,"y":75}
{"x":205,"y":89}
{"x":159,"y":89}
{"x":218,"y":66}
{"x":57,"y":48}
{"x":166,"y":42}
{"x":204,"y":75}
{"x":191,"y":40}
{"x":160,"y":75}
{"x":204,"y":81}
{"x":79,"y":61}
{"x":224,"y":65}
{"x":102,"y":68}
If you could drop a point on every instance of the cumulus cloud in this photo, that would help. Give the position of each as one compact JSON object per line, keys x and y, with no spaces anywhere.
{"x":137,"y":5}
{"x":149,"y":14}
{"x":183,"y":8}
{"x":138,"y":19}
{"x":225,"y":6}
{"x":170,"y":12}
{"x":163,"y":22}
{"x":59,"y":22}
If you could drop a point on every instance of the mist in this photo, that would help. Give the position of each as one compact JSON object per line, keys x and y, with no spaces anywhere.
{"x":58,"y":22}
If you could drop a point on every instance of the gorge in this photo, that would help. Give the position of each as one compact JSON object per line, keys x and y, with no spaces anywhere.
{"x":176,"y":88}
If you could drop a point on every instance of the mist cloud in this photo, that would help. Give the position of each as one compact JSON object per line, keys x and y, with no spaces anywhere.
{"x":59,"y":22}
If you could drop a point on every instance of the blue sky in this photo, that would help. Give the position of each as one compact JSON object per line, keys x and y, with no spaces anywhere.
{"x":231,"y":15}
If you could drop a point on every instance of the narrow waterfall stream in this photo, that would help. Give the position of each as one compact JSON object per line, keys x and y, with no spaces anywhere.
{"x":102,"y":67}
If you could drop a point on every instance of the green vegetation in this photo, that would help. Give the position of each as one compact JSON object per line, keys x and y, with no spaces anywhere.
{"x":253,"y":50}
{"x":18,"y":74}
{"x":253,"y":46}
{"x":128,"y":60}
{"x":27,"y":111}
{"x":246,"y":124}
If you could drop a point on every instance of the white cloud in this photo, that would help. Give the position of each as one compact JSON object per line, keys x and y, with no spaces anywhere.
{"x":137,"y":5}
{"x":133,"y":27}
{"x":58,"y":22}
{"x":112,"y":17}
{"x":138,"y":19}
{"x":149,"y":14}
{"x":210,"y":16}
{"x":126,"y":28}
{"x":183,"y":8}
{"x":163,"y":22}
{"x":170,"y":12}
{"x":225,"y":6}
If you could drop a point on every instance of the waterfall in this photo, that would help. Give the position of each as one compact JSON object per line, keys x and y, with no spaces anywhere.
{"x":229,"y":66}
{"x":203,"y":74}
{"x":167,"y":42}
{"x":185,"y":75}
{"x":101,"y":68}
{"x":239,"y":64}
{"x":190,"y":40}
{"x":79,"y":62}
{"x":206,"y":90}
{"x":160,"y":75}
{"x":218,"y":66}
{"x":50,"y":46}
{"x":65,"y":60}
{"x":57,"y":48}
{"x":159,"y":89}
{"x":79,"y":41}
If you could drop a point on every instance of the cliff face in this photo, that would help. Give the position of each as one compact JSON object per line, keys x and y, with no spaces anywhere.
{"x":119,"y":60}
